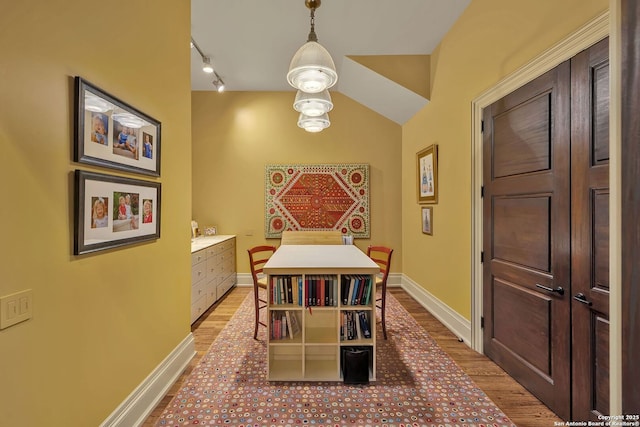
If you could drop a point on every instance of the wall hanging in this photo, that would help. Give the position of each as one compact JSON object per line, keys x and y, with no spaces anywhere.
{"x":112,"y":211}
{"x":427,"y":220}
{"x":111,"y":133}
{"x":317,"y":197}
{"x":427,"y":169}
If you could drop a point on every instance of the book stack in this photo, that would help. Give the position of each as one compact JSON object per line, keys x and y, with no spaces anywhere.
{"x":356,"y":289}
{"x":354,"y":325}
{"x":320,"y":290}
{"x":286,"y":290}
{"x":284,"y":324}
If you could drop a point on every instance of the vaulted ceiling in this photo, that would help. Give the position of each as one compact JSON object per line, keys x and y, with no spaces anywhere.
{"x":251,"y":43}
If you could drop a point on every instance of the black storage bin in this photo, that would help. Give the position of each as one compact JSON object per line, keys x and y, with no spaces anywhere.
{"x":355,"y":365}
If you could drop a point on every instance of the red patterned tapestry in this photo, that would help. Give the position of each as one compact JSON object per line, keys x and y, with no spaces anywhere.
{"x":317,"y":197}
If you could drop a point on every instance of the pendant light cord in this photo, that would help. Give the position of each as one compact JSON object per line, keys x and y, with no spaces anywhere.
{"x":312,"y":33}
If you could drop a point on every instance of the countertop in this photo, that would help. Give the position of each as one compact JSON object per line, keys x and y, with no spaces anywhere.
{"x":202,"y":242}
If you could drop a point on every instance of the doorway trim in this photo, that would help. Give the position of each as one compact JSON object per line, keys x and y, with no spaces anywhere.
{"x":592,"y":32}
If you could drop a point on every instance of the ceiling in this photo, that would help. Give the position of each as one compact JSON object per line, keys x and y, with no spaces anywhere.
{"x":251,"y":43}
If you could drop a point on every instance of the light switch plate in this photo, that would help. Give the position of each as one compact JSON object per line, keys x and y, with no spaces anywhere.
{"x":16,"y":308}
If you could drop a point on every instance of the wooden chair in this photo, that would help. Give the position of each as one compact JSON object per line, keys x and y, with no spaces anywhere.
{"x":258,"y":257}
{"x":381,"y":255}
{"x":320,"y":237}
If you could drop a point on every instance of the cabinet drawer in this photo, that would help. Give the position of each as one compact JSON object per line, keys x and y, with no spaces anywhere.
{"x":211,"y":291}
{"x":198,"y":257}
{"x":213,"y":270}
{"x":228,"y":266}
{"x":213,"y":260}
{"x":214,"y":250}
{"x":229,"y":253}
{"x":197,"y":308}
{"x":198,"y":272}
{"x":225,"y":286}
{"x":198,"y":290}
{"x":228,"y":245}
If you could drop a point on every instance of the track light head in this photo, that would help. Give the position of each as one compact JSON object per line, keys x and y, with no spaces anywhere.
{"x":206,"y":65}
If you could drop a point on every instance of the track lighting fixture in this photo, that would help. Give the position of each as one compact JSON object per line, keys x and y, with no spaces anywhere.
{"x":218,"y":83}
{"x":207,"y":67}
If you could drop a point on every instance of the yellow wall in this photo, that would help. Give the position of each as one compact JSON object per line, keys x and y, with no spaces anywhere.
{"x":101,"y":323}
{"x":235,"y":134}
{"x":411,"y":71}
{"x":490,"y":40}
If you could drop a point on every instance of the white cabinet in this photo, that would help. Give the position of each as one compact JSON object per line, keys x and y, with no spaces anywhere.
{"x":213,"y":271}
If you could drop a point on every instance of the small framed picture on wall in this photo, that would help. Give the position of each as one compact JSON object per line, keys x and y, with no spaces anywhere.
{"x":427,"y":174}
{"x":111,"y":133}
{"x":113,"y":211}
{"x":427,"y":220}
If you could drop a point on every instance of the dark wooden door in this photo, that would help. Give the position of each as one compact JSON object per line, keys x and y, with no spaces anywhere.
{"x":546,"y":235}
{"x":590,"y":231}
{"x":630,"y":206}
{"x":526,"y":236}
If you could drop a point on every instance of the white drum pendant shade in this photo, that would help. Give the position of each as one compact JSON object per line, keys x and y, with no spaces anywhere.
{"x":313,"y":124}
{"x":312,"y":69}
{"x":313,"y":104}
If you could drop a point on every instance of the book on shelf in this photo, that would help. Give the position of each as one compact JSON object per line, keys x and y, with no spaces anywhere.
{"x":357,"y":291}
{"x":352,"y":284}
{"x":369,"y":290}
{"x":332,"y":290}
{"x":284,"y":324}
{"x":354,"y":325}
{"x":286,"y":290}
{"x":289,"y":286}
{"x":320,"y":290}
{"x":356,"y":321}
{"x":364,"y":324}
{"x":294,"y":324}
{"x":326,"y":284}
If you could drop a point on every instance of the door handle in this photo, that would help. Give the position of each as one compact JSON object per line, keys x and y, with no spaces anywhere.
{"x":583,"y":299}
{"x":559,"y":290}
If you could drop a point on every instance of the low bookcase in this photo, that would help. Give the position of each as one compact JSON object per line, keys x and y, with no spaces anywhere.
{"x":321,"y":299}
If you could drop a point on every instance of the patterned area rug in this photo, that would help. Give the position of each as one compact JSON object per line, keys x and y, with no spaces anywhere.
{"x":418,"y":384}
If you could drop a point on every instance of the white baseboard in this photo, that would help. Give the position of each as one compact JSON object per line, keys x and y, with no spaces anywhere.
{"x":244,"y":279}
{"x":457,"y":324}
{"x":135,"y":409}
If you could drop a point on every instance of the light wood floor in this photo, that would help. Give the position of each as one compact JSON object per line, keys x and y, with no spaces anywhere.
{"x":515,"y":401}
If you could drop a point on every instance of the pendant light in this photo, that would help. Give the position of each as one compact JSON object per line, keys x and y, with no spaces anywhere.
{"x":313,"y":124}
{"x":313,"y":104}
{"x":312,"y":69}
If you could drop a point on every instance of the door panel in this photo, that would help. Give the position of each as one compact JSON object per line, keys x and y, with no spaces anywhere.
{"x":517,"y":328}
{"x":521,"y":140}
{"x":527,"y":235}
{"x":590,"y":231}
{"x":531,"y":246}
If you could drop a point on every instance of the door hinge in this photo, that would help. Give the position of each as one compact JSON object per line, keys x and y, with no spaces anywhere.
{"x":481,"y":256}
{"x":482,"y":126}
{"x":481,"y":322}
{"x":482,"y":192}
